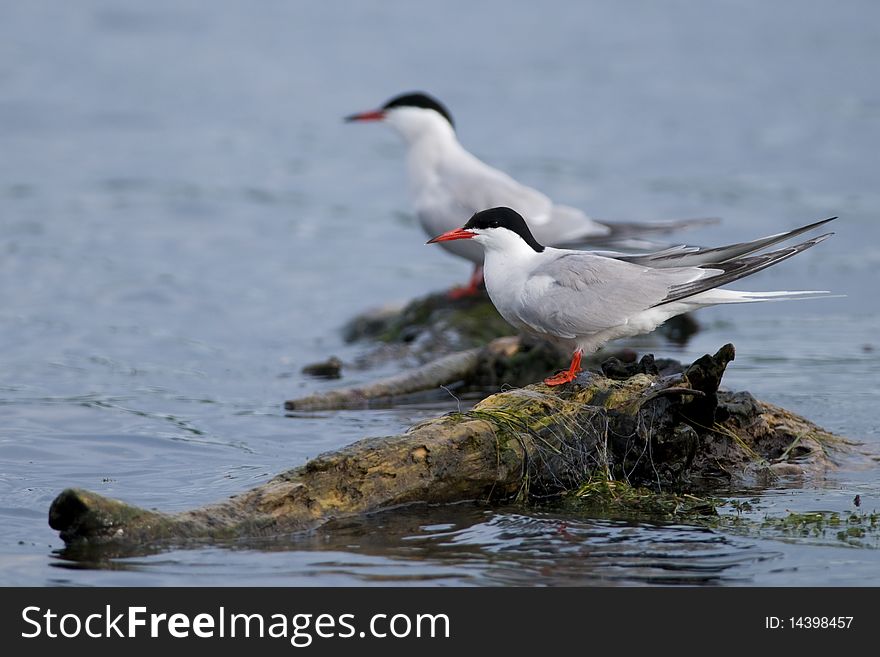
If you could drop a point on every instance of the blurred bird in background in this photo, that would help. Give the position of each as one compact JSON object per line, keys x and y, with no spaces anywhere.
{"x":448,"y":184}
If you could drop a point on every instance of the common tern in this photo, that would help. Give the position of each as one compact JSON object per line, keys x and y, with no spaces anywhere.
{"x":581,"y":300}
{"x":447,"y":182}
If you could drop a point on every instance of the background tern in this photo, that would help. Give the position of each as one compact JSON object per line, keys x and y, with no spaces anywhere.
{"x":447,"y":183}
{"x":582,"y":300}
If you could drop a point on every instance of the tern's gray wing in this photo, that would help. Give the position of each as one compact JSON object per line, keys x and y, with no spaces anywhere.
{"x":578,"y":294}
{"x":463,"y":185}
{"x":567,"y":225}
{"x":467,"y":185}
{"x":692,"y":256}
{"x":737,"y":268}
{"x":475,"y":185}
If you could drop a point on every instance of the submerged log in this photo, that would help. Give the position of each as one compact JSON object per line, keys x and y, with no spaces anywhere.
{"x":439,"y":372}
{"x":673,"y":433}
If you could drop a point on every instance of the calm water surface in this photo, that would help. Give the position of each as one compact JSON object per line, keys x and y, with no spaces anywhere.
{"x":185,"y":222}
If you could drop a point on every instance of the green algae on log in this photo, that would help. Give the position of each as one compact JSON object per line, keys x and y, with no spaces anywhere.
{"x":665,"y":434}
{"x":458,"y":323}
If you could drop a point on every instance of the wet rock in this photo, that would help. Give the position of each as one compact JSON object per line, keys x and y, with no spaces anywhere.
{"x":613,"y":368}
{"x":328,"y":369}
{"x":680,"y":328}
{"x":370,"y":324}
{"x":704,"y":374}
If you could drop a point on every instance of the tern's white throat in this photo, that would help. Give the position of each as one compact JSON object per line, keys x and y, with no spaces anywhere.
{"x":505,"y":243}
{"x":417,"y":124}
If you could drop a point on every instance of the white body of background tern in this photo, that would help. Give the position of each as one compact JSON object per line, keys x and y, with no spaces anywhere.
{"x":448,"y":183}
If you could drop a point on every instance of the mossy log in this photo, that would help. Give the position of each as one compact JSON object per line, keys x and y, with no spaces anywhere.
{"x":666,"y":433}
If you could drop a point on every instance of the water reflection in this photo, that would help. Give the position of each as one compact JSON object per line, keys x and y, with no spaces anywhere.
{"x":472,"y":544}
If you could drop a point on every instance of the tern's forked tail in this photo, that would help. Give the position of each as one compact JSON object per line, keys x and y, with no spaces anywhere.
{"x":717,"y":297}
{"x":732,"y":270}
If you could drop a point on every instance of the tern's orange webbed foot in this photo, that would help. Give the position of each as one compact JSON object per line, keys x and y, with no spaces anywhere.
{"x":562,"y":377}
{"x":568,"y":375}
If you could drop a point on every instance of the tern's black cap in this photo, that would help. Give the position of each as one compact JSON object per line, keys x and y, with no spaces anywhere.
{"x":503,"y":217}
{"x":420,"y":99}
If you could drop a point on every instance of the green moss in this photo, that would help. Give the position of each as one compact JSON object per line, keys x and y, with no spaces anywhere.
{"x":479,"y":323}
{"x":611,"y":498}
{"x":619,"y":500}
{"x":475,"y":320}
{"x":855,"y":529}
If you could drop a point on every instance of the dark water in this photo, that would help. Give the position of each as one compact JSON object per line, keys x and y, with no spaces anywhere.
{"x":185,"y":222}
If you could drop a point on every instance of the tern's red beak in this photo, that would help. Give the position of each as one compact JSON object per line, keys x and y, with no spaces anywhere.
{"x":457,"y":234}
{"x":375,"y":115}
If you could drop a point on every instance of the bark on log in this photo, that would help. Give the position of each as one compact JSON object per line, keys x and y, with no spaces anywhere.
{"x":667,"y":433}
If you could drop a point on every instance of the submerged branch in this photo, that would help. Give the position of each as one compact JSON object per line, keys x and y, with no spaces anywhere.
{"x":442,"y":371}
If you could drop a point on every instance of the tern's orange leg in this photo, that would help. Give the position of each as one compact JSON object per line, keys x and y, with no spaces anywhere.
{"x":472,"y":288}
{"x":567,"y":375}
